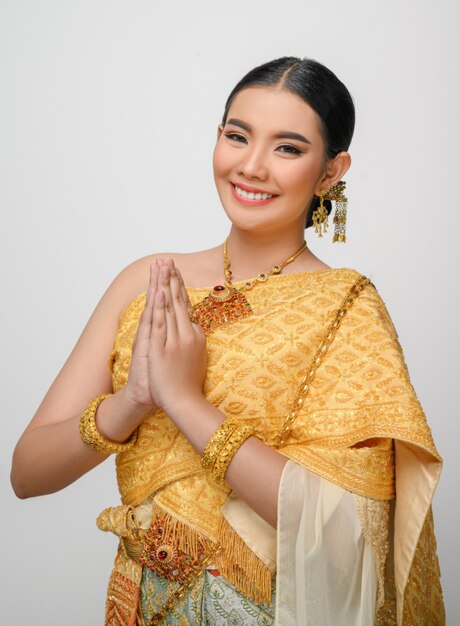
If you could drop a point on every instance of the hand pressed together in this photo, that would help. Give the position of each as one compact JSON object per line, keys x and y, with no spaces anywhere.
{"x":177,"y":354}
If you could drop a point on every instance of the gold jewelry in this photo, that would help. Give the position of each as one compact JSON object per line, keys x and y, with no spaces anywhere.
{"x":226,"y":304}
{"x":341,"y":203}
{"x":320,"y":216}
{"x":155,"y":551}
{"x":159,"y":618}
{"x":222,"y":446}
{"x":176,"y":565}
{"x":93,"y":438}
{"x":229,"y":449}
{"x":193,"y":316}
{"x":217,"y":440}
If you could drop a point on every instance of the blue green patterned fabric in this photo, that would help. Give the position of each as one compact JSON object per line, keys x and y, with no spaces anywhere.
{"x":212,"y":602}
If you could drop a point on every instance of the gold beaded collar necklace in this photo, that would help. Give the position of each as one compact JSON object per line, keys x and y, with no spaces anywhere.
{"x":224,"y":303}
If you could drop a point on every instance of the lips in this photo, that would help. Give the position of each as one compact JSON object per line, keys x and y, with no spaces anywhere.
{"x":250,"y":189}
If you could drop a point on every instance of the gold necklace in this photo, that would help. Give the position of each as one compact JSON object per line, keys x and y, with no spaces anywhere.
{"x":225,"y":304}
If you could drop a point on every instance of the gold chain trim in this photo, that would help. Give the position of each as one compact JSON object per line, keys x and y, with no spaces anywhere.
{"x":263,"y":276}
{"x":323,"y":347}
{"x":159,"y":618}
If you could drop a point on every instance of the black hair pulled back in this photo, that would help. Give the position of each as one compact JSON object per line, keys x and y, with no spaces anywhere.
{"x":320,"y":88}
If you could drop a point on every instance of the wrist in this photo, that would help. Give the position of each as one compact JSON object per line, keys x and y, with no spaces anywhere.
{"x":197,"y":418}
{"x":184,"y":406}
{"x":130,"y":406}
{"x":117,"y":416}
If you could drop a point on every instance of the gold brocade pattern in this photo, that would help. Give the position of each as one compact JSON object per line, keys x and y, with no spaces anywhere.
{"x":374,"y":516}
{"x":361,"y":397}
{"x":423,"y":601}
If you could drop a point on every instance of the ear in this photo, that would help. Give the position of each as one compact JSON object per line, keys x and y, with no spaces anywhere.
{"x":334,"y":170}
{"x":220,"y":128}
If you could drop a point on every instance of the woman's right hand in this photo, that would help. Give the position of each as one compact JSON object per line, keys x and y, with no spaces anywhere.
{"x":50,"y":453}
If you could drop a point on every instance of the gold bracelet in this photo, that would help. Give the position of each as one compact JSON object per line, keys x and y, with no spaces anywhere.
{"x":217,"y":441}
{"x":93,"y":438}
{"x":229,"y":449}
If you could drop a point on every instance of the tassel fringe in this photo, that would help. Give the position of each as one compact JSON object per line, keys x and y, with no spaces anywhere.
{"x":241,"y":566}
{"x":180,"y":535}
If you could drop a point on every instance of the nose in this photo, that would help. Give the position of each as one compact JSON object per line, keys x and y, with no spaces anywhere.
{"x":254,"y":163}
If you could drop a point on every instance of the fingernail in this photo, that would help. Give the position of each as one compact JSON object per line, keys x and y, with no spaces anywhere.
{"x":165,"y":271}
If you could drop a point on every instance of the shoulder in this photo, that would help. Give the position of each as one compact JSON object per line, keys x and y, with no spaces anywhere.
{"x":356,"y":291}
{"x":132,"y":281}
{"x":368,"y":314}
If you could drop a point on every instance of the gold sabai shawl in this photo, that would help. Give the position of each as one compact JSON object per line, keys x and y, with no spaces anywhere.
{"x":361,"y":427}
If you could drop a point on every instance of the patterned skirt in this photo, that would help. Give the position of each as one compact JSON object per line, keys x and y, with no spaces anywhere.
{"x":213,"y":601}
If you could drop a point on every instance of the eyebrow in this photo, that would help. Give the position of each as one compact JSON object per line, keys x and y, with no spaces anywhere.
{"x":283,"y":134}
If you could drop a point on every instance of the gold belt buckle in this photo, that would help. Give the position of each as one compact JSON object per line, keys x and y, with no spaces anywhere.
{"x":165,"y":559}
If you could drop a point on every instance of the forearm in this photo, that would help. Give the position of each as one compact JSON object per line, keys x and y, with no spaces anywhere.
{"x":255,"y":471}
{"x":48,"y":458}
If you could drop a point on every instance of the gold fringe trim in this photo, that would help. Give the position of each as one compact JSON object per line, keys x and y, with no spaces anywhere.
{"x":181,"y":535}
{"x":238,"y":563}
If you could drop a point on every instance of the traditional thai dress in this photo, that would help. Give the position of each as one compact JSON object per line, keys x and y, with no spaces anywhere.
{"x":354,"y":544}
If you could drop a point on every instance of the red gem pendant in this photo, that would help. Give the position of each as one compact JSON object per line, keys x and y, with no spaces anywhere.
{"x":223,"y":305}
{"x":220,"y":293}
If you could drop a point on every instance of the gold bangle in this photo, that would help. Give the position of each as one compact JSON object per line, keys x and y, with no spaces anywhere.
{"x":93,"y":438}
{"x":229,"y":449}
{"x":217,"y":441}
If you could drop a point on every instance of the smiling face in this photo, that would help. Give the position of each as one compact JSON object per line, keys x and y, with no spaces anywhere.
{"x":271,"y":144}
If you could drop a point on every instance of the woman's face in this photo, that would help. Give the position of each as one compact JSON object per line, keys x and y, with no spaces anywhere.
{"x":271,"y":143}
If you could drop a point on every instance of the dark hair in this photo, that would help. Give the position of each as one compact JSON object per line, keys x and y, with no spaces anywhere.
{"x":318,"y":87}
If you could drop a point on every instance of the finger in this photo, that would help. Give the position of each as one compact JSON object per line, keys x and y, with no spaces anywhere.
{"x":170,"y":309}
{"x":158,"y":337}
{"x":145,"y":321}
{"x":152,"y":286}
{"x":180,"y":305}
{"x":183,"y":289}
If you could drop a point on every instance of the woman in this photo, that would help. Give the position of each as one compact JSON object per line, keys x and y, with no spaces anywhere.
{"x":262,"y":426}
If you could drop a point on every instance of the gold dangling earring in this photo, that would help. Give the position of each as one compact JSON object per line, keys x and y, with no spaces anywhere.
{"x":341,"y":204}
{"x":320,"y":216}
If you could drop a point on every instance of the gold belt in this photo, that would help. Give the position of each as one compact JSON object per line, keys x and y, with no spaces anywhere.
{"x":168,"y":561}
{"x":162,"y":557}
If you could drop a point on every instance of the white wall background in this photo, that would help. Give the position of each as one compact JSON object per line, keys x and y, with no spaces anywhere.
{"x":108,"y":115}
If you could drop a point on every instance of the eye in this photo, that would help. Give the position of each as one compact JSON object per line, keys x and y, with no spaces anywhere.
{"x":235,"y":137}
{"x":292,"y":149}
{"x":286,"y":148}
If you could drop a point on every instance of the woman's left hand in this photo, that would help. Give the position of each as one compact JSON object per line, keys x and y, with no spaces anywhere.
{"x":177,"y":354}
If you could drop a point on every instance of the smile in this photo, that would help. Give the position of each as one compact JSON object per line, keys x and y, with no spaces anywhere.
{"x":251,"y":198}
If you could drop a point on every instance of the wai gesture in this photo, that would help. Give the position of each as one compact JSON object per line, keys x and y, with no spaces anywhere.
{"x":169,"y":356}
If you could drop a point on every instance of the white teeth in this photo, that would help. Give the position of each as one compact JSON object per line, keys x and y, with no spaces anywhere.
{"x":251,"y":195}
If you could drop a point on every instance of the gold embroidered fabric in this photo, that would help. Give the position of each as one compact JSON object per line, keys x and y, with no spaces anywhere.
{"x":423,"y":602}
{"x":374,"y":516}
{"x":360,"y":399}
